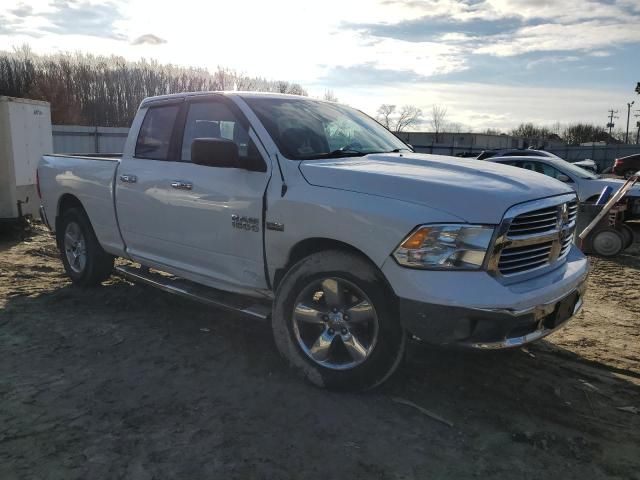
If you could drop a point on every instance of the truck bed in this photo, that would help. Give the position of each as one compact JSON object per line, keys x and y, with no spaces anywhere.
{"x":90,"y":179}
{"x":90,"y":156}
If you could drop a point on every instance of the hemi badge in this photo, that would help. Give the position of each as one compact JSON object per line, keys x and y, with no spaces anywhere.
{"x":278,"y":227}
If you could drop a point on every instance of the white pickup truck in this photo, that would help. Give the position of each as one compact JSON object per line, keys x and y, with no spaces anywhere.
{"x":312,"y":215}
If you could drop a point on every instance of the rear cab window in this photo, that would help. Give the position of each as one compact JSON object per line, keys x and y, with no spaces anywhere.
{"x":155,"y":133}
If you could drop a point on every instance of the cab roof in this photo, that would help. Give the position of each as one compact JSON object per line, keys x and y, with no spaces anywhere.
{"x":242,"y":94}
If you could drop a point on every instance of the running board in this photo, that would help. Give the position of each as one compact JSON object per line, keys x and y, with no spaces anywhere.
{"x":253,"y":307}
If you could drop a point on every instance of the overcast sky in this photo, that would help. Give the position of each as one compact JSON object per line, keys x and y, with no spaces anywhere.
{"x":492,"y":63}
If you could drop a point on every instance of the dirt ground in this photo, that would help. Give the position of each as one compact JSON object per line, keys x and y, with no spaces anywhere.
{"x":124,"y":381}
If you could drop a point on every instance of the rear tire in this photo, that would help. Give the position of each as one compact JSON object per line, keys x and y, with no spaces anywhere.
{"x":84,"y":260}
{"x":334,"y":321}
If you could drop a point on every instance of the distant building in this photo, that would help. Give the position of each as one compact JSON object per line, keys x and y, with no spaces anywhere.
{"x":477,"y":141}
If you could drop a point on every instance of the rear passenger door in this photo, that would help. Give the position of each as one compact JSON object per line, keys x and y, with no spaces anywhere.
{"x":141,"y":196}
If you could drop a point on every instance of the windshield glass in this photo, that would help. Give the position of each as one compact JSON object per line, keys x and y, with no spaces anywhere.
{"x":305,"y":129}
{"x":580,"y":172}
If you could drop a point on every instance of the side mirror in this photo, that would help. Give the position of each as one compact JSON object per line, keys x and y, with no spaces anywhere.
{"x":563,"y":178}
{"x":215,"y":152}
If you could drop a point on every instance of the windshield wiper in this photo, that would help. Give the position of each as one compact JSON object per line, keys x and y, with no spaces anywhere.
{"x":341,"y":152}
{"x":350,"y":152}
{"x":398,"y":150}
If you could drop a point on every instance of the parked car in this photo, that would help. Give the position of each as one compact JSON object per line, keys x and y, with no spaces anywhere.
{"x":587,"y":185}
{"x":587,"y":164}
{"x":627,"y":166}
{"x":312,"y":215}
{"x":515,"y":152}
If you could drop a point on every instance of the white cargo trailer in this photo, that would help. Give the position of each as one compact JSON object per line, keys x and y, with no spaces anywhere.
{"x":25,"y":135}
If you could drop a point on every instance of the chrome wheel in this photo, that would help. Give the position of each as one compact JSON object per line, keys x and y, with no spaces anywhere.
{"x":75,"y":247}
{"x":335,"y":323}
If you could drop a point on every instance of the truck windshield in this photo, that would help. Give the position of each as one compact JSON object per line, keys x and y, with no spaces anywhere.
{"x":306,"y":129}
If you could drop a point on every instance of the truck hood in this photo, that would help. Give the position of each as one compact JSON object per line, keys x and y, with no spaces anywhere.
{"x":475,"y":190}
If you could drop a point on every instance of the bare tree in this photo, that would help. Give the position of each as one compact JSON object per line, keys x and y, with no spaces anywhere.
{"x":438,"y":118}
{"x":409,"y":116}
{"x":282,"y":86}
{"x":577,"y":133}
{"x":529,"y":130}
{"x":329,"y":96}
{"x":296,"y":89}
{"x":385,"y":113}
{"x":97,"y":90}
{"x":454,"y":127}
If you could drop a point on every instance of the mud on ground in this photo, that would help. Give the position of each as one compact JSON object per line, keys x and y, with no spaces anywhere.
{"x":124,"y":381}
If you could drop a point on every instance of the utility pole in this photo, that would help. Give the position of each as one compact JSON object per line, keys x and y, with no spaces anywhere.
{"x":637,"y":115}
{"x":626,"y":138}
{"x":610,"y":125}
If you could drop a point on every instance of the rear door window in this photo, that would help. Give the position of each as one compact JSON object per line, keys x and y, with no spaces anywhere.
{"x":155,"y":133}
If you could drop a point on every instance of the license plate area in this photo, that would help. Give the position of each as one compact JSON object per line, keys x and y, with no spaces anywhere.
{"x":563,"y":311}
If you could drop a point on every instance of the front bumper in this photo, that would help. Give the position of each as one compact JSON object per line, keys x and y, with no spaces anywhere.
{"x":474,"y":309}
{"x":489,"y":328}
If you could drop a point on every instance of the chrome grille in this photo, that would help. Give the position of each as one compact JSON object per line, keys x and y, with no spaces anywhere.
{"x":566,"y":245}
{"x":535,"y":235}
{"x":520,"y":259}
{"x":538,"y":221}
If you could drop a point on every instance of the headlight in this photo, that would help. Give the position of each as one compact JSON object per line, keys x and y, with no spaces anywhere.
{"x":448,"y":246}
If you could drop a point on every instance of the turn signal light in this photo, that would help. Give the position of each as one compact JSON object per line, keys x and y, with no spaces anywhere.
{"x":416,"y":240}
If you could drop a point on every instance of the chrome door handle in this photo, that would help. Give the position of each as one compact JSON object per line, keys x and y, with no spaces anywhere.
{"x":180,"y":185}
{"x":128,"y":178}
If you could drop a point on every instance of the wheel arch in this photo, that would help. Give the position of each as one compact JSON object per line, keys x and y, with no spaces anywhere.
{"x":309,"y":246}
{"x":65,"y":202}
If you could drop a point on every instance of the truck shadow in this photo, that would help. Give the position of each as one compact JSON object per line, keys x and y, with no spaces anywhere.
{"x":12,"y":236}
{"x":8,"y":237}
{"x":546,"y":383}
{"x":154,"y":368}
{"x":131,"y":324}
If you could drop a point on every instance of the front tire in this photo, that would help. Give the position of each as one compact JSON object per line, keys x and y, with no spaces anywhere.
{"x":84,"y":260}
{"x":334,"y":321}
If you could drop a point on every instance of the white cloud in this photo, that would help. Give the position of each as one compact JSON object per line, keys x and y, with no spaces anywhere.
{"x":552,"y":60}
{"x":306,"y":41}
{"x":585,"y":36}
{"x":553,"y":10}
{"x":514,"y":27}
{"x":495,"y":106}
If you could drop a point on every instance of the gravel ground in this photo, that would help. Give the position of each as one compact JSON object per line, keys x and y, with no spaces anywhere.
{"x":124,"y":381}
